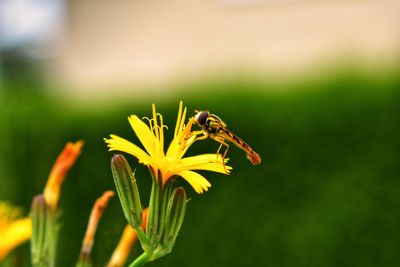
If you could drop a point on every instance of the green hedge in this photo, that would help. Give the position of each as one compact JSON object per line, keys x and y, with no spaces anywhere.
{"x":326,"y":194}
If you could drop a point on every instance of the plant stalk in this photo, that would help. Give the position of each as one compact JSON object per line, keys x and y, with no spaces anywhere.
{"x":141,"y":260}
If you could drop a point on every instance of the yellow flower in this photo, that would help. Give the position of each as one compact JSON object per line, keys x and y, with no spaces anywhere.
{"x":13,"y":230}
{"x":165,"y":166}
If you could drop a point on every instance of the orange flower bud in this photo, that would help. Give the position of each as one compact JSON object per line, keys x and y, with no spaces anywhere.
{"x":128,"y":239}
{"x":62,"y":165}
{"x":97,"y":212}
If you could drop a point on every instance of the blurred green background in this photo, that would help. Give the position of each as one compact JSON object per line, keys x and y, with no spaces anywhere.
{"x":313,"y":86}
{"x":326,"y":193}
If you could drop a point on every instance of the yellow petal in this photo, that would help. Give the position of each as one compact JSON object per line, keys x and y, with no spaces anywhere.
{"x":214,"y":167}
{"x":17,"y":233}
{"x":123,"y":145}
{"x":188,"y":136}
{"x":144,"y":133}
{"x":181,"y":142}
{"x":173,"y":149}
{"x":183,"y":119}
{"x":155,"y":126}
{"x":178,"y":119}
{"x":197,"y":181}
{"x":210,"y":162}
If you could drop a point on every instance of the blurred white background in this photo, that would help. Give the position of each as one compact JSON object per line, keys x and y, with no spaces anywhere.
{"x":91,"y":46}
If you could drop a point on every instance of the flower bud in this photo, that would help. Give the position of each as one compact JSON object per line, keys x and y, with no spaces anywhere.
{"x":127,"y":190}
{"x":95,"y":216}
{"x":174,"y":217}
{"x":63,"y":164}
{"x":154,"y":226}
{"x":44,"y":233}
{"x":128,"y":239}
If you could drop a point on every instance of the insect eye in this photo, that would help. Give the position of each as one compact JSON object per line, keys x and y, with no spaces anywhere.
{"x":202,"y":117}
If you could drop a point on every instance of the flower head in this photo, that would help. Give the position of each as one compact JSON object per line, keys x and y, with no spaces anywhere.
{"x":166,"y":165}
{"x":13,"y":229}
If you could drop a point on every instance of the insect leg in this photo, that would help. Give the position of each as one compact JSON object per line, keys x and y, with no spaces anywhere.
{"x":219,"y":149}
{"x":222,"y":142}
{"x":195,"y":133}
{"x":203,"y":136}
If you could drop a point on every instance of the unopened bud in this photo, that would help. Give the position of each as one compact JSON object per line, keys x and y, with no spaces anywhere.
{"x":154,"y":225}
{"x":44,"y":233}
{"x":174,"y":217}
{"x":128,"y":239}
{"x":60,"y":169}
{"x":127,"y":190}
{"x":95,"y":216}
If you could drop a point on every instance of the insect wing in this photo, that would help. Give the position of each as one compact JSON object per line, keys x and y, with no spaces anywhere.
{"x":220,"y":121}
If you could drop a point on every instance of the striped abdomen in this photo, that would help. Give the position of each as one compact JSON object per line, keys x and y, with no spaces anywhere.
{"x":251,"y":154}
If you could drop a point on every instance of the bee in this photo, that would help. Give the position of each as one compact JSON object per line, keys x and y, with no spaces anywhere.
{"x":213,"y":127}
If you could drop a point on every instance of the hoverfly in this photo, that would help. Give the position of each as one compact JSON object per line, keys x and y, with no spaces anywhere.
{"x":213,"y":127}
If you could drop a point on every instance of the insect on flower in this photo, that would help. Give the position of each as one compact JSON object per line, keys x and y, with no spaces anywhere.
{"x":213,"y":127}
{"x":166,"y":165}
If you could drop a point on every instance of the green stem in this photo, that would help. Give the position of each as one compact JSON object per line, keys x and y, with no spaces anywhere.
{"x":141,"y":260}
